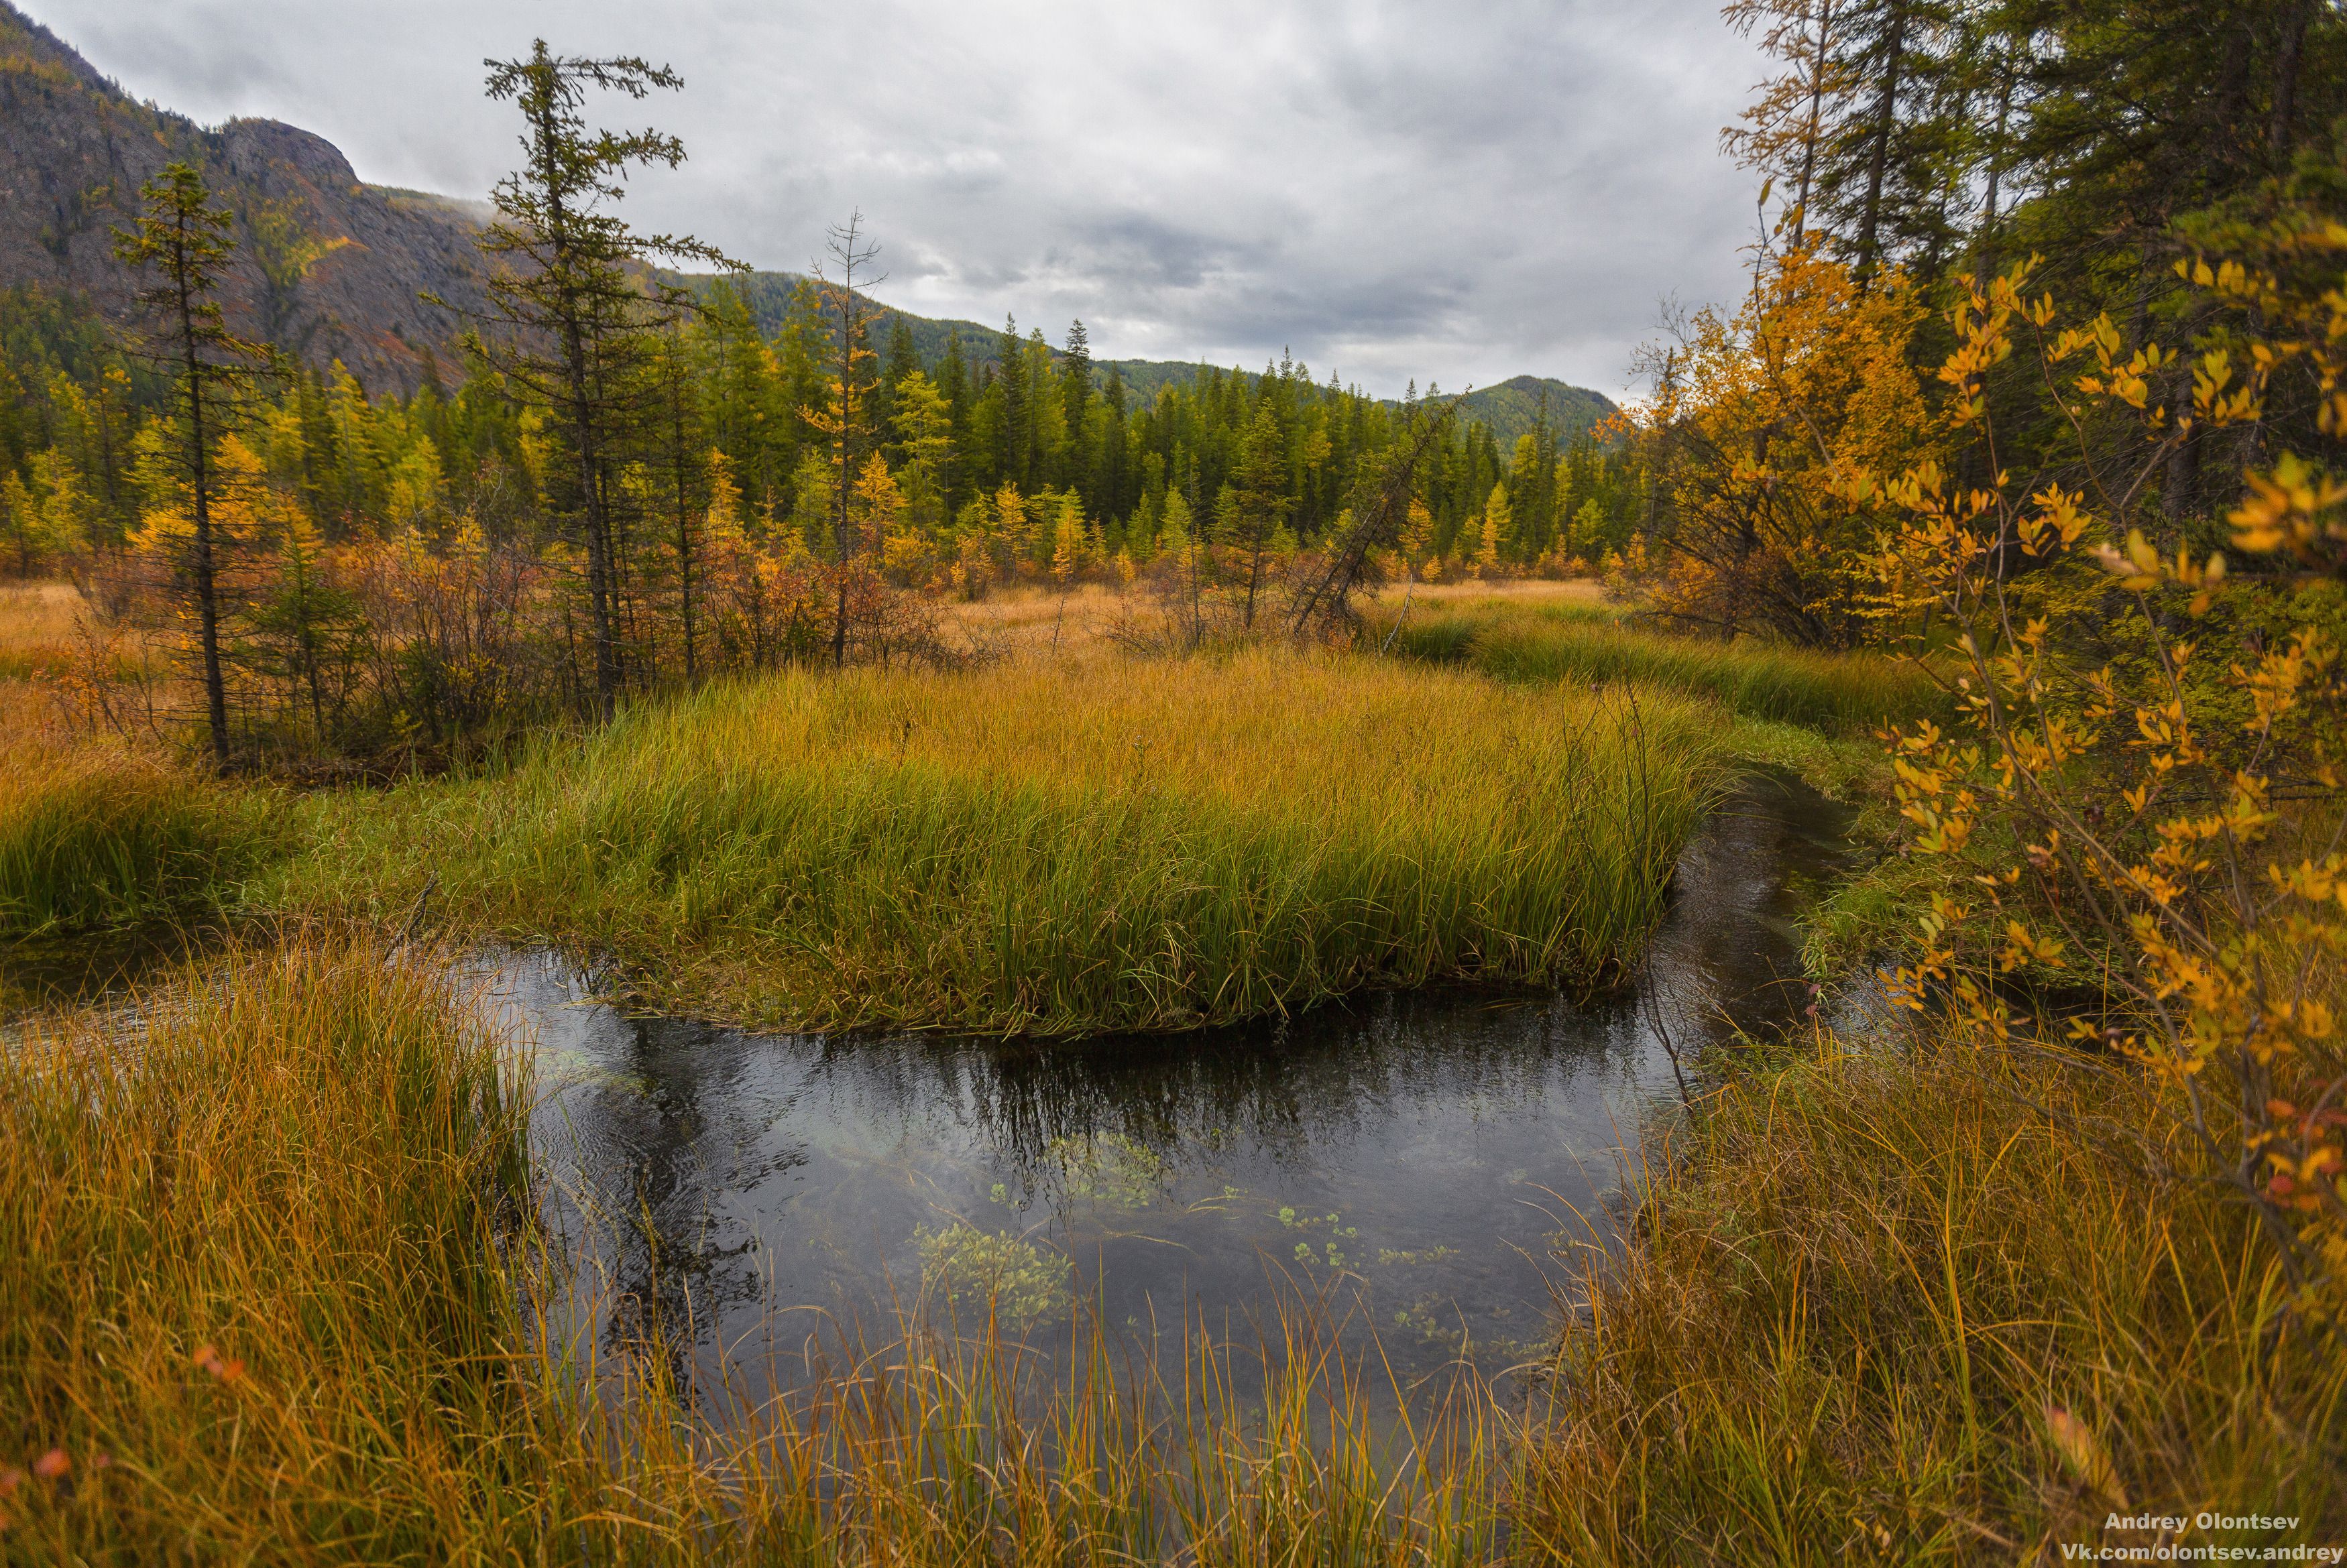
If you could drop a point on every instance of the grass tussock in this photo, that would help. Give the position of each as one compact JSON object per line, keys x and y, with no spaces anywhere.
{"x":1144,"y":845}
{"x":95,"y":835}
{"x":1847,"y":694}
{"x":1932,"y":1310}
{"x":250,"y":1290}
{"x":261,"y":1302}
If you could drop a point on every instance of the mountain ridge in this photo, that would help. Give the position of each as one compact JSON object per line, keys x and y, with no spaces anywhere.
{"x":326,"y":267}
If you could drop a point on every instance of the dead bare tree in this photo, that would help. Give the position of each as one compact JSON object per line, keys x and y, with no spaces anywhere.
{"x":843,"y":420}
{"x":1378,"y":512}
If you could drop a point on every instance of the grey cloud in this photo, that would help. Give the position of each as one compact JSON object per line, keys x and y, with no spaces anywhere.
{"x":1460,"y":192}
{"x":1150,"y":253}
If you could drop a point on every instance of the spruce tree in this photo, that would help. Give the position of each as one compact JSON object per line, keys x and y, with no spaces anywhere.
{"x":1040,"y":424}
{"x":1018,"y":420}
{"x":1075,"y":407}
{"x":902,"y":358}
{"x":573,"y":319}
{"x":968,"y":468}
{"x":1115,"y":469}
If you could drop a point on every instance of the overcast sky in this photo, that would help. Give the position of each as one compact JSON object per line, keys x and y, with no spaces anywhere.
{"x":1449,"y":190}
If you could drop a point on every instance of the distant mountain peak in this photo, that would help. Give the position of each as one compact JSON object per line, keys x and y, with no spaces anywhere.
{"x":1509,"y":408}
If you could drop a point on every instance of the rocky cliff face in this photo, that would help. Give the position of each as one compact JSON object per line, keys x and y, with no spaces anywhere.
{"x":328,"y":268}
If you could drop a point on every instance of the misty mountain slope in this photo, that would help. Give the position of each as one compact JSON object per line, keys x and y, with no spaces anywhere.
{"x":326,"y":267}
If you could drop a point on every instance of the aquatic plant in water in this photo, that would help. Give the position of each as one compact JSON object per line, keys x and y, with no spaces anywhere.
{"x":1019,"y":1283}
{"x":1107,"y":1170}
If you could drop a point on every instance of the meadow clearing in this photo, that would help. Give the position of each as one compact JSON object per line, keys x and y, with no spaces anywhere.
{"x":1061,"y":840}
{"x":1555,"y":638}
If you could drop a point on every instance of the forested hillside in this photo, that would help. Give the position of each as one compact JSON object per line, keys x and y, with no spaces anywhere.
{"x":1518,"y":406}
{"x":1005,"y":410}
{"x":1511,"y":410}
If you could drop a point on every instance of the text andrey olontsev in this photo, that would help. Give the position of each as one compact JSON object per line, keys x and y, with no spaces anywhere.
{"x":2177,"y":1552}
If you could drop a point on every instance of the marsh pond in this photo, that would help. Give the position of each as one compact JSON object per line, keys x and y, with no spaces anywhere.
{"x":1417,"y":1170}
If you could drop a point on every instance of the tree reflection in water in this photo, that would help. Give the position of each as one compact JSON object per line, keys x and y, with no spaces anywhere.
{"x":1411,"y":1161}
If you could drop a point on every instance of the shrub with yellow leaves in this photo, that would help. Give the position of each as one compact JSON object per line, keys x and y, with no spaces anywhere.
{"x":1755,"y":420}
{"x":2142,"y":854}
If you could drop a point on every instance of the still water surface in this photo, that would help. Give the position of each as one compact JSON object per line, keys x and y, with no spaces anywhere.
{"x":1412,"y":1162}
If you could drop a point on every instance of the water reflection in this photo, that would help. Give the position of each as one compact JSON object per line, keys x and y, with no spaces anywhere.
{"x":47,"y":974}
{"x":1416,"y":1157}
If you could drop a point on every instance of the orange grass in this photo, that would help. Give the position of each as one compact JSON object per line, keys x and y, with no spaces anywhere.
{"x":1934,"y":1308}
{"x":37,"y":626}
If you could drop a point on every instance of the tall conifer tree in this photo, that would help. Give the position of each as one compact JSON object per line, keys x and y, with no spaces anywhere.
{"x":1018,"y":420}
{"x":573,"y":318}
{"x":1075,"y":406}
{"x":182,"y":241}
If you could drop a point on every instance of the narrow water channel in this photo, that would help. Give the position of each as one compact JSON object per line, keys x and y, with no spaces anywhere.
{"x":1412,"y":1163}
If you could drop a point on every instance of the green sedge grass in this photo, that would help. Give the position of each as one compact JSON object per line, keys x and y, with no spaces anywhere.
{"x":1135,"y":845}
{"x":93,"y":836}
{"x":1841,"y":693}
